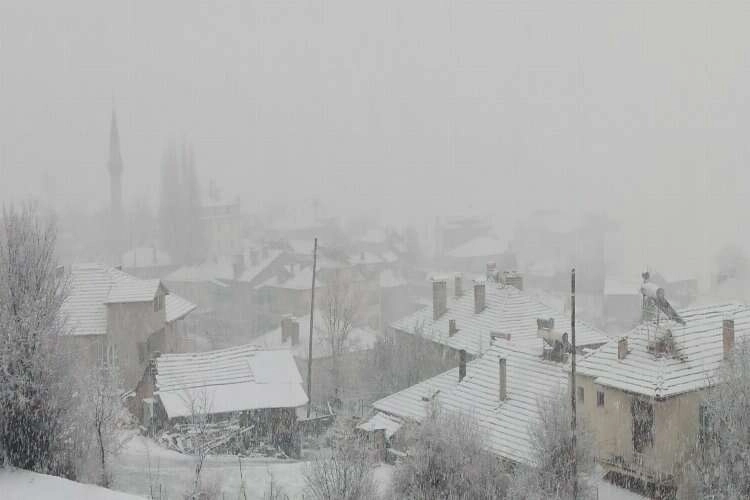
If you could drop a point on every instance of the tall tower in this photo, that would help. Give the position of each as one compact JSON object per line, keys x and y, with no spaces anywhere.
{"x":115,"y":174}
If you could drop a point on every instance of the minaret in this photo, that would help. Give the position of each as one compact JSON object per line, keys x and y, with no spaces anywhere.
{"x":115,"y":175}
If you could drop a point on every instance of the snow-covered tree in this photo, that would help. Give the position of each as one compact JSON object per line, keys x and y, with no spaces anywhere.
{"x":719,"y":465}
{"x":551,"y":476}
{"x":37,"y":396}
{"x":343,"y":475}
{"x":447,"y":460}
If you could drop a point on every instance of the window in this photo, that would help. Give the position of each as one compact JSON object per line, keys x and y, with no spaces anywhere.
{"x":600,"y":398}
{"x":158,"y":303}
{"x":643,"y":424}
{"x":580,"y":394}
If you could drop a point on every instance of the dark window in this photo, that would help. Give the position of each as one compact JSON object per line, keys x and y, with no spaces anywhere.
{"x":580,"y":395}
{"x":643,"y":424}
{"x":599,"y":398}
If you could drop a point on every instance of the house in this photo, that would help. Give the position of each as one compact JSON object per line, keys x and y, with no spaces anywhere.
{"x":147,"y":262}
{"x":472,"y":255}
{"x":469,"y":316}
{"x":294,"y":334}
{"x":262,"y":387}
{"x":500,"y":390}
{"x":118,"y":320}
{"x":643,"y":392}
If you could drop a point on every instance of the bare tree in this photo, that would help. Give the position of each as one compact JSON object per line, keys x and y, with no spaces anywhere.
{"x":345,"y":474}
{"x":105,"y":410}
{"x":447,"y":460}
{"x":341,"y":310}
{"x":551,"y":475}
{"x":199,"y":422}
{"x":718,"y":468}
{"x":37,"y":398}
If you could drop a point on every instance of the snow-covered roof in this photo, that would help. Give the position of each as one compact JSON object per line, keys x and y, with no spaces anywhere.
{"x":504,"y":425}
{"x":507,"y":310}
{"x":381,"y":421}
{"x":227,"y":380}
{"x":294,"y":279}
{"x":697,"y":355}
{"x":389,"y":278}
{"x":360,"y":339}
{"x":222,"y":269}
{"x":482,"y":246}
{"x":145,"y":257}
{"x":177,"y":307}
{"x":133,"y":290}
{"x":93,"y":286}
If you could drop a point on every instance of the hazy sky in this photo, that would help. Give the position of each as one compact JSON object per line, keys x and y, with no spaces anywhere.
{"x":641,"y":109}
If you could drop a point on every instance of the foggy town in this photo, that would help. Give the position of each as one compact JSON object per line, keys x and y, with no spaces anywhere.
{"x":348,"y":250}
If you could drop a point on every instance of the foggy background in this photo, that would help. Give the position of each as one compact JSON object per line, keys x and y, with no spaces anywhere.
{"x":639,"y":110}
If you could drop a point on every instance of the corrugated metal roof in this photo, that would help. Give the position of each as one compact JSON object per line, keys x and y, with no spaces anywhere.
{"x":226,"y":380}
{"x":504,"y":425}
{"x":697,"y":355}
{"x":507,"y":310}
{"x":93,"y":286}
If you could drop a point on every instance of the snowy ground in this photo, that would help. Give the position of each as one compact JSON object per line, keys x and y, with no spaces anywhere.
{"x":16,"y":484}
{"x":145,"y":468}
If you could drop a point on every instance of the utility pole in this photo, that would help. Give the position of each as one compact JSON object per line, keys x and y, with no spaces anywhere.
{"x":573,"y":378}
{"x":312,"y":311}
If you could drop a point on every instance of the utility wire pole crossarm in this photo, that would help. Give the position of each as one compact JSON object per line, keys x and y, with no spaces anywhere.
{"x":310,"y":346}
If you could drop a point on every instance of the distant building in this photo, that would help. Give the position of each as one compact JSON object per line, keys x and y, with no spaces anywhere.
{"x":147,"y":262}
{"x":222,"y":223}
{"x":118,"y":320}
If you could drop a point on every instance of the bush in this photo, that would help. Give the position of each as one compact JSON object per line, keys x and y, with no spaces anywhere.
{"x":446,"y":460}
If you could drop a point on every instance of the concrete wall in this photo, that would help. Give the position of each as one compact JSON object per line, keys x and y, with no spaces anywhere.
{"x":675,"y":429}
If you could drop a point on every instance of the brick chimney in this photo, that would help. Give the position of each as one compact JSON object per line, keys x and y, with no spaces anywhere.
{"x":439,"y":297}
{"x":622,"y":348}
{"x":503,"y":379}
{"x":727,"y":336}
{"x":458,"y":285}
{"x":452,"y":329}
{"x":461,"y":364}
{"x":479,"y":297}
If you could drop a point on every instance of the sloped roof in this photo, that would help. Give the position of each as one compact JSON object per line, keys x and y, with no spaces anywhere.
{"x":381,"y":421}
{"x":177,"y":307}
{"x":360,"y":339}
{"x":697,"y":355}
{"x":145,"y":257}
{"x":93,"y":286}
{"x":222,"y":269}
{"x":507,"y":310}
{"x":294,"y":279}
{"x":415,"y":402}
{"x":133,"y":290}
{"x":235,"y":379}
{"x":504,"y":425}
{"x":482,"y":246}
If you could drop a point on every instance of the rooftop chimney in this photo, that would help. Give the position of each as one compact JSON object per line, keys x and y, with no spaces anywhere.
{"x":439,"y":298}
{"x":479,"y":297}
{"x":461,"y":364}
{"x":491,"y":270}
{"x":452,"y":327}
{"x":727,"y":335}
{"x":503,"y":379}
{"x":289,"y":329}
{"x":622,"y":348}
{"x":458,"y":285}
